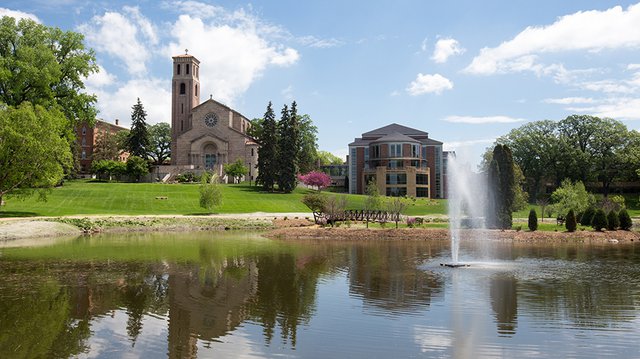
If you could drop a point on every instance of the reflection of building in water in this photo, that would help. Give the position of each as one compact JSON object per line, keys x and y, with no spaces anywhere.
{"x":504,"y":301}
{"x":385,"y":279}
{"x":207,"y":305}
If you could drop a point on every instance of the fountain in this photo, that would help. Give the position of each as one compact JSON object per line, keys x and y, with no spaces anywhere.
{"x":466,"y":194}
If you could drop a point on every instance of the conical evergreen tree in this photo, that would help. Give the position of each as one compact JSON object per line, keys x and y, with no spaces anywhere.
{"x":571,"y":223}
{"x":625,"y":220}
{"x":613,"y":222}
{"x":599,"y":220}
{"x":587,"y":216}
{"x":533,"y":220}
{"x":138,"y":140}
{"x":288,"y":149}
{"x":267,"y":153}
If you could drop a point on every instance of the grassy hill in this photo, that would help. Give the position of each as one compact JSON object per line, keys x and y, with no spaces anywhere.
{"x":87,"y":198}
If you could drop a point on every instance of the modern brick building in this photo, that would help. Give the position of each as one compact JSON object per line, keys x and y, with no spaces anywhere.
{"x":205,"y":135}
{"x":402,"y":161}
{"x":87,"y":136}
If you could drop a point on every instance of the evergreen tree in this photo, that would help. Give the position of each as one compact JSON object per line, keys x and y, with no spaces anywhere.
{"x":625,"y":220}
{"x":613,"y":222}
{"x":533,"y":220}
{"x":288,"y":144}
{"x":587,"y":216}
{"x":502,"y":188}
{"x":599,"y":220}
{"x":570,"y":223}
{"x":138,"y":141}
{"x":267,"y":153}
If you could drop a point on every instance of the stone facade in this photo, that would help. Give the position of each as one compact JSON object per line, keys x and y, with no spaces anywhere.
{"x":205,"y":136}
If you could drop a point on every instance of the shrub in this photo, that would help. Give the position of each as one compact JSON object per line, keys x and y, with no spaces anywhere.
{"x":599,"y":220}
{"x":315,"y":201}
{"x":137,"y":167}
{"x":411,"y":222}
{"x":210,"y":193}
{"x":625,"y":220}
{"x":533,"y":220}
{"x":587,"y":216}
{"x":570,"y":223}
{"x":612,"y":221}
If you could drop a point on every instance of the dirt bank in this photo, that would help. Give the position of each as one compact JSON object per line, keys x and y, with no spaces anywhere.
{"x":424,"y":234}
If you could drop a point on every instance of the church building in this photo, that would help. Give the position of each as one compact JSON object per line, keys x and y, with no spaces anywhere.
{"x":205,"y":136}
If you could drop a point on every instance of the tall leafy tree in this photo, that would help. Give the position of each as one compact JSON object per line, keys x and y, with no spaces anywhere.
{"x":138,"y":141}
{"x":308,"y":144}
{"x":32,"y":152}
{"x":236,"y":170}
{"x":106,"y":147}
{"x":46,"y":66}
{"x":327,"y":158}
{"x":266,"y":133}
{"x":160,"y":142}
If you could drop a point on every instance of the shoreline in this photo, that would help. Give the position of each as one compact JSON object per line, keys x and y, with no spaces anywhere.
{"x":280,"y":226}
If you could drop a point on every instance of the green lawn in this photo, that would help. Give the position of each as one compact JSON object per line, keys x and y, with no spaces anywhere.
{"x":85,"y":198}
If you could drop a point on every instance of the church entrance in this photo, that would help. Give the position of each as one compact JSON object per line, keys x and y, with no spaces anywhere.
{"x":209,"y":161}
{"x":210,"y":157}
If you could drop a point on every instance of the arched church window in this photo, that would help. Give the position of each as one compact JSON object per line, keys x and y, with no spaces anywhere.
{"x":181,"y":108}
{"x":178,"y":69}
{"x":186,"y":69}
{"x":84,"y":141}
{"x":183,"y":88}
{"x":196,"y":90}
{"x":84,"y":154}
{"x":84,"y":130}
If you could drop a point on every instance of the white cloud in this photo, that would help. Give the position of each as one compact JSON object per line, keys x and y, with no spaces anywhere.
{"x":569,"y":100}
{"x":423,"y":45}
{"x":99,"y":79}
{"x":313,"y":41}
{"x":585,"y":30}
{"x":445,"y":48}
{"x":633,"y":67}
{"x":429,"y":84}
{"x":17,"y":14}
{"x":194,"y":8}
{"x":608,"y":86}
{"x":233,"y":55}
{"x":456,"y":145}
{"x":616,"y":108}
{"x":154,"y":94}
{"x":126,"y":36}
{"x":287,"y":93}
{"x":480,"y":120}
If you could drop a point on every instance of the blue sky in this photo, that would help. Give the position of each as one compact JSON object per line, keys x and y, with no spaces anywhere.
{"x":464,"y":71}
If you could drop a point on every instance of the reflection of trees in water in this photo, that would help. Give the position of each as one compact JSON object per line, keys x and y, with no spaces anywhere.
{"x":387,"y":275}
{"x":504,"y":301}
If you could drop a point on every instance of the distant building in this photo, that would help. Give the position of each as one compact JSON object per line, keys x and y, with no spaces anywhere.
{"x":87,"y":136}
{"x":402,"y":161}
{"x":338,"y":174}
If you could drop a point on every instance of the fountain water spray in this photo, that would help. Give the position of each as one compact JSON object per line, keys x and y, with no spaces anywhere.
{"x":466,"y":192}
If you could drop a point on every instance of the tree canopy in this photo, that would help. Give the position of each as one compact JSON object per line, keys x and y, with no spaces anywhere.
{"x":159,"y":142}
{"x":265,"y":132}
{"x":326,"y":158}
{"x":236,"y":170}
{"x":32,"y":152}
{"x":501,"y":188}
{"x":138,"y":141}
{"x":46,"y":66}
{"x":580,"y":147}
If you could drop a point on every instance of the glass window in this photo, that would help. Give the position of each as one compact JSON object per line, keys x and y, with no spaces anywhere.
{"x":84,"y":130}
{"x":178,"y":69}
{"x":393,"y":164}
{"x":415,"y":150}
{"x":183,"y":89}
{"x":186,"y":69}
{"x":395,"y":150}
{"x":422,"y":178}
{"x":396,"y":178}
{"x":422,"y":192}
{"x":84,"y":154}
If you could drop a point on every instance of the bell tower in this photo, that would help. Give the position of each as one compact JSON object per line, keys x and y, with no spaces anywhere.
{"x":185,"y":95}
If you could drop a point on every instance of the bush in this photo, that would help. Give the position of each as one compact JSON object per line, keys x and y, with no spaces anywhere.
{"x":186,"y":177}
{"x":137,"y":167}
{"x":587,"y":216}
{"x":315,"y":201}
{"x":319,"y":180}
{"x":411,"y":222}
{"x":533,"y":220}
{"x":599,"y":220}
{"x":612,"y":221}
{"x":625,"y":220}
{"x":210,"y":193}
{"x":570,"y":223}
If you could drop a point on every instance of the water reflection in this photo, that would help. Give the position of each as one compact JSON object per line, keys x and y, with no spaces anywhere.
{"x":164,"y":295}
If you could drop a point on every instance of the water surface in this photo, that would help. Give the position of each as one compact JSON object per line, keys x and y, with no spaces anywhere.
{"x":210,"y":295}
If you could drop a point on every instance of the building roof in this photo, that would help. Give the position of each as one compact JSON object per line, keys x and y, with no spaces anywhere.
{"x":395,"y":137}
{"x":394,"y":127}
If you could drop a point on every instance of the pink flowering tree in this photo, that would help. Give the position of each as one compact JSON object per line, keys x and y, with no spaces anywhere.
{"x":319,"y":180}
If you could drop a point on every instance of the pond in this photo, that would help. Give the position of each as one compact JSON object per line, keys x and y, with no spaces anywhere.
{"x":205,"y":295}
